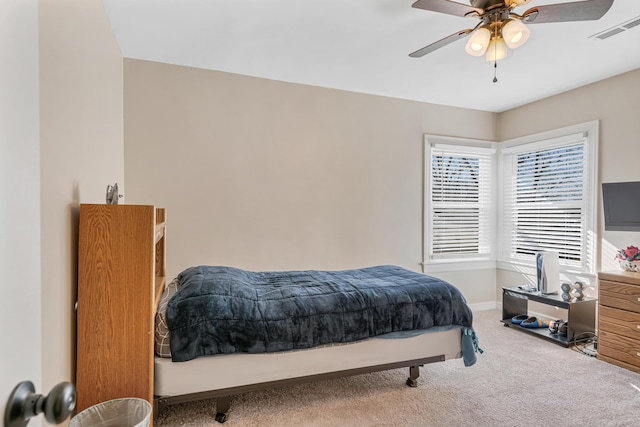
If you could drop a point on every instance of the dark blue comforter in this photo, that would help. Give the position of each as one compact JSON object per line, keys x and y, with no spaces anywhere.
{"x":220,"y":310}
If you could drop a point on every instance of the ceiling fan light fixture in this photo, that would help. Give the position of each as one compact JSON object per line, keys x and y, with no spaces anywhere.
{"x":478,"y":42}
{"x":497,"y":49}
{"x":515,"y":33}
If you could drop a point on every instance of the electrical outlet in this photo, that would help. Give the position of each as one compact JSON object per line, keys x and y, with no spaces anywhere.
{"x":590,"y":351}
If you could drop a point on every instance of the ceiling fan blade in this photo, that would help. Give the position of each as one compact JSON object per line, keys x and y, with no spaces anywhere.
{"x":588,"y":10}
{"x":440,"y":43}
{"x":446,"y":6}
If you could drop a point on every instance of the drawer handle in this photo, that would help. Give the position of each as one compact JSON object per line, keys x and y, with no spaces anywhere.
{"x":638,"y":354}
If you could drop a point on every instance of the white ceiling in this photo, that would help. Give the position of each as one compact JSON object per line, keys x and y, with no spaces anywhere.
{"x":363,"y":46}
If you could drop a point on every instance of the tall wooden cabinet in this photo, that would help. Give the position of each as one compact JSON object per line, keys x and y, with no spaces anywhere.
{"x":619,"y":319}
{"x":121,"y":274}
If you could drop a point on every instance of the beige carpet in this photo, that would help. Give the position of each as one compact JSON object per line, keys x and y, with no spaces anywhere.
{"x":520,"y":380}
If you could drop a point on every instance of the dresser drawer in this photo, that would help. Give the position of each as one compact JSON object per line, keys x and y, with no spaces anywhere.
{"x":626,"y":323}
{"x":619,"y":295}
{"x":620,"y":348}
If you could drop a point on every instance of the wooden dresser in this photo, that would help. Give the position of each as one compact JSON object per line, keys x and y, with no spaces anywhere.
{"x":619,"y":318}
{"x":121,"y":275}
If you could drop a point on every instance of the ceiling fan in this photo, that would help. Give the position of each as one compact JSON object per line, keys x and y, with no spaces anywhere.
{"x":500,"y":27}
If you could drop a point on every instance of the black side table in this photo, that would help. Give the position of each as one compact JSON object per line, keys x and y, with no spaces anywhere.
{"x":581,"y":315}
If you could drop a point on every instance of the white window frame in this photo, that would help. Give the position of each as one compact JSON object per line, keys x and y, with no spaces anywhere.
{"x":432,"y":264}
{"x":589,"y":132}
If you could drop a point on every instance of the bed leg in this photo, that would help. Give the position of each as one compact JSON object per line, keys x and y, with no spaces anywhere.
{"x":414,"y":373}
{"x":223,"y":404}
{"x":159,"y":404}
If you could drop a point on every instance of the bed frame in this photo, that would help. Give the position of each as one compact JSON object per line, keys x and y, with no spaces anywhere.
{"x":120,"y":245}
{"x":222,"y":376}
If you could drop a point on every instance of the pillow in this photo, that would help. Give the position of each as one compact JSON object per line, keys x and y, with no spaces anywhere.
{"x":161,"y":340}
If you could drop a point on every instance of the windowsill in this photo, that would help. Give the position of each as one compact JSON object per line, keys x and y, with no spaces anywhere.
{"x":515,"y":266}
{"x":457,"y":265}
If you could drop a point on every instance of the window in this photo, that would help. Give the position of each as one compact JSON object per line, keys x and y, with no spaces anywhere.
{"x":458,"y":200}
{"x":549,"y":185}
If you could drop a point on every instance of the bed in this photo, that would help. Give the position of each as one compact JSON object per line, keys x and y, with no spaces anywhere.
{"x":222,"y":331}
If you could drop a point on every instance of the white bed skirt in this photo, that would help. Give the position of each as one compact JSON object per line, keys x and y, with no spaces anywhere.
{"x":235,"y":370}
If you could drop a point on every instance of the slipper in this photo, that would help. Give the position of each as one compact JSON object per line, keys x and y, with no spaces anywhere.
{"x":534,"y":322}
{"x":519,"y":318}
{"x":554,"y":325}
{"x":562,"y":328}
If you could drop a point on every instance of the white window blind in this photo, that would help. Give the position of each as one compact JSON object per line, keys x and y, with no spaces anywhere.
{"x":459,"y":203}
{"x":548,"y":199}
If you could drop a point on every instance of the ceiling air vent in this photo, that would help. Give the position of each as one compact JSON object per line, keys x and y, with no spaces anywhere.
{"x":620,"y":28}
{"x":608,"y":33}
{"x":633,"y":23}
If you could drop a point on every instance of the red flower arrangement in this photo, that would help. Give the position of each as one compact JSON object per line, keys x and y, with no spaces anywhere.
{"x":629,"y":259}
{"x":630,"y":254}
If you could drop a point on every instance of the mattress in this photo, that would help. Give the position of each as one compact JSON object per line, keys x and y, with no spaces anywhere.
{"x":227,"y":371}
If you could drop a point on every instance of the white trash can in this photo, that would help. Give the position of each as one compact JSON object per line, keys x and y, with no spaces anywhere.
{"x":127,"y":412}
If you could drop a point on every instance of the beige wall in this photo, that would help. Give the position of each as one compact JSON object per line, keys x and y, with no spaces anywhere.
{"x":81,"y":127}
{"x":267,"y":175}
{"x":615,"y":102}
{"x":20,"y":325}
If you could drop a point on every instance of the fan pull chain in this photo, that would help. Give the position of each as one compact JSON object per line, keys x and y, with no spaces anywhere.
{"x":495,"y":70}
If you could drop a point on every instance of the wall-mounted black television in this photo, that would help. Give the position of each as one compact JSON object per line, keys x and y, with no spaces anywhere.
{"x":621,"y":201}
